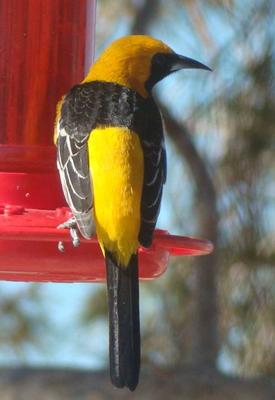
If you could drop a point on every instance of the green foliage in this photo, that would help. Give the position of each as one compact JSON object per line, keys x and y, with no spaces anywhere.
{"x":95,"y":306}
{"x":21,"y":318}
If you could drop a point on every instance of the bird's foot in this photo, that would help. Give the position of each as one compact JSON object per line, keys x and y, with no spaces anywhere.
{"x":72,"y":226}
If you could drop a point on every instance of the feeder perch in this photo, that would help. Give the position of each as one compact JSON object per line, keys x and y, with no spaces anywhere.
{"x":45,"y":48}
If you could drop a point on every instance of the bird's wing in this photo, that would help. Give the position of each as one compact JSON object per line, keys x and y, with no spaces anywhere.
{"x":76,"y":121}
{"x":154,"y":172}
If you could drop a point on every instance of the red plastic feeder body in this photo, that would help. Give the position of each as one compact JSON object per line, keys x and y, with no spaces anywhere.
{"x":45,"y":48}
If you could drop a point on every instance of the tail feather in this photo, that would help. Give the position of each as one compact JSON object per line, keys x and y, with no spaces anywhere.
{"x":124,"y":340}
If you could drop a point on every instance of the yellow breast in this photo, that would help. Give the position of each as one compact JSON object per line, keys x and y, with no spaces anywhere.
{"x":116,"y":163}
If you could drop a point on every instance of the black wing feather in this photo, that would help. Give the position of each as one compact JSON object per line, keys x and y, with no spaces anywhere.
{"x":78,"y":118}
{"x":154,"y":172}
{"x":73,"y":165}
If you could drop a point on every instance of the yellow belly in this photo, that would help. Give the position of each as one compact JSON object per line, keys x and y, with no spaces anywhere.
{"x":116,"y":163}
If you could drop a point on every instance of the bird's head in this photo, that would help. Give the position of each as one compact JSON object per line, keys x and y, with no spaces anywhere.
{"x":139,"y":62}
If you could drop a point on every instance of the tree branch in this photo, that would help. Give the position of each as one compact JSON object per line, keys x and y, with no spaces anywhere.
{"x":185,"y":384}
{"x":144,"y":16}
{"x":205,"y":329}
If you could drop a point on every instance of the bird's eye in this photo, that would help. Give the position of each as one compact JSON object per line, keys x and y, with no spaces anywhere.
{"x":159,"y":59}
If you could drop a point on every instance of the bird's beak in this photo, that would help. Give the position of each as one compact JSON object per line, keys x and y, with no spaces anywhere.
{"x":181,"y":62}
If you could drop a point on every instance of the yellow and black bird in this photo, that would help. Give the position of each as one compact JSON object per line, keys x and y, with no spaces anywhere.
{"x":112,"y":164}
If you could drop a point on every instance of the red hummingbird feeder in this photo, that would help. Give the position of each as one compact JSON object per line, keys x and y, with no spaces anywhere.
{"x":45,"y":48}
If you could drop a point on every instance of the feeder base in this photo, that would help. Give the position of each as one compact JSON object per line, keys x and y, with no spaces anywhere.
{"x":29,"y":249}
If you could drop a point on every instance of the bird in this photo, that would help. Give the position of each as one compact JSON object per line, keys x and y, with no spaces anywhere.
{"x":112,"y":164}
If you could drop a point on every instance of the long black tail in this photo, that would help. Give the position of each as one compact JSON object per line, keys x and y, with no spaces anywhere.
{"x":124,"y":339}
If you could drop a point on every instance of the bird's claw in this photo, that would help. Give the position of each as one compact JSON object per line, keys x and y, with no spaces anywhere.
{"x":72,"y":226}
{"x":70,"y":223}
{"x":75,"y":237}
{"x":61,"y":246}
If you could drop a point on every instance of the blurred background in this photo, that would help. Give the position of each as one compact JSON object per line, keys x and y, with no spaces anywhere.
{"x":208,"y":324}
